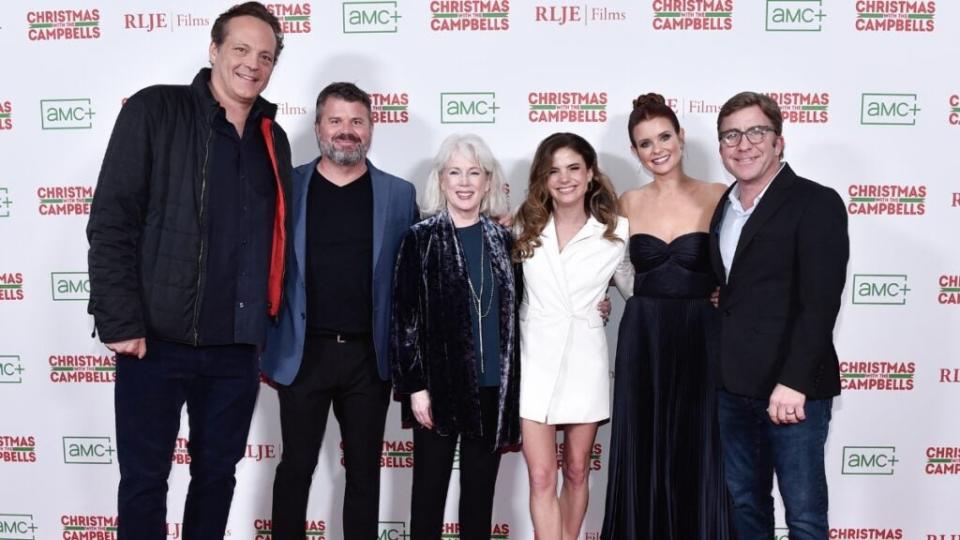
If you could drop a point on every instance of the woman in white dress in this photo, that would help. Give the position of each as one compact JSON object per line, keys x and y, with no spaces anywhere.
{"x":571,"y":242}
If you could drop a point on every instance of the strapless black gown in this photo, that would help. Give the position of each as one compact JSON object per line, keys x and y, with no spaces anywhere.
{"x":665,"y":476}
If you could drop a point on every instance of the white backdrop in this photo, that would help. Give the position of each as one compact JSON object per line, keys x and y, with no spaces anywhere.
{"x":870,"y":88}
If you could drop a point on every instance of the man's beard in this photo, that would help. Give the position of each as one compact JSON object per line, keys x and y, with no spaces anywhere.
{"x":346,"y":158}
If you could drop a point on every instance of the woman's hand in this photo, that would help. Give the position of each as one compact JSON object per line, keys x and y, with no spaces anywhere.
{"x":420,"y":403}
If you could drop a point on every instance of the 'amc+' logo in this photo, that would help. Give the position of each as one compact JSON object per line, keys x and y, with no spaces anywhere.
{"x":10,"y":369}
{"x":17,"y":527}
{"x":869,"y":460}
{"x":888,"y":109}
{"x":88,"y":450}
{"x":468,"y":108}
{"x":392,"y":530}
{"x":880,"y":289}
{"x":66,"y":113}
{"x":370,"y":17}
{"x":795,"y":15}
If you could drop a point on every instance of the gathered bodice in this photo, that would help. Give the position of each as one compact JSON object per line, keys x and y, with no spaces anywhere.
{"x":678,"y":269}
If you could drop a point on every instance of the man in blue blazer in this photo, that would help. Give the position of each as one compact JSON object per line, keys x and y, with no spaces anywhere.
{"x":329,"y":345}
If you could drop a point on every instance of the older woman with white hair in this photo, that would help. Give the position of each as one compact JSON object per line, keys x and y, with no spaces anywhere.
{"x":454,"y":344}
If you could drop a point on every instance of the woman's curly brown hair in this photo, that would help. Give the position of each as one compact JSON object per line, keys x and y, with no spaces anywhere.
{"x":600,"y":200}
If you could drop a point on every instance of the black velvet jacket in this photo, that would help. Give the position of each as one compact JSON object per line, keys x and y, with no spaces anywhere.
{"x":431,"y":339}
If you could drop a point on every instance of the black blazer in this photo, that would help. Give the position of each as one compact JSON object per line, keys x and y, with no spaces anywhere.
{"x":780,"y":304}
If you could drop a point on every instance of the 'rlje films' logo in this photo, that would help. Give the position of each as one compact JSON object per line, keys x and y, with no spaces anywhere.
{"x":869,"y":460}
{"x":6,"y":115}
{"x":261,"y":451}
{"x":574,"y":107}
{"x":897,"y":16}
{"x":888,"y":109}
{"x":887,"y":199}
{"x":5,"y":202}
{"x":795,"y":15}
{"x":63,"y":24}
{"x":150,"y":22}
{"x":89,"y":527}
{"x":942,"y":460}
{"x":803,"y":107}
{"x":294,"y":17}
{"x":880,"y":289}
{"x":314,"y":529}
{"x":82,"y":368}
{"x":392,"y":530}
{"x":88,"y":450}
{"x":468,"y":108}
{"x":370,"y":17}
{"x":699,"y":15}
{"x":469,"y":15}
{"x":390,"y":108}
{"x":66,"y":113}
{"x":69,"y":286}
{"x":879,"y":376}
{"x":567,"y":15}
{"x":11,"y":369}
{"x":17,"y":527}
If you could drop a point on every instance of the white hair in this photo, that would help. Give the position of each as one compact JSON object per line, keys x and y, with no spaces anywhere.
{"x":471,"y":147}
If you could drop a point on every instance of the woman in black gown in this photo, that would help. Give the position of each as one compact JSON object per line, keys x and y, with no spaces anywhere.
{"x":665,"y":478}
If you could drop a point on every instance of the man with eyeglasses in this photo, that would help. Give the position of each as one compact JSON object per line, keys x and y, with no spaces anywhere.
{"x":779,"y":248}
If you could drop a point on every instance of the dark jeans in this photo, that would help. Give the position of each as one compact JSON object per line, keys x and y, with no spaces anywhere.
{"x":754,"y":447}
{"x":219,"y":385}
{"x":344,"y":374}
{"x":432,"y":464}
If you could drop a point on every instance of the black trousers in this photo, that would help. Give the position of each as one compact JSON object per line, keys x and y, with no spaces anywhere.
{"x":432,"y":464}
{"x":219,"y":386}
{"x":344,"y":374}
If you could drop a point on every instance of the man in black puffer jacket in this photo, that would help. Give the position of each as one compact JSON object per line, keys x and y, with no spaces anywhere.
{"x":187,"y":240}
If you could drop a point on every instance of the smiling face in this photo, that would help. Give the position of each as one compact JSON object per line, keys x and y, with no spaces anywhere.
{"x":243,"y":63}
{"x":568,"y":178}
{"x":464,"y":184}
{"x":343,"y":131}
{"x":751,"y":162}
{"x":657,"y":145}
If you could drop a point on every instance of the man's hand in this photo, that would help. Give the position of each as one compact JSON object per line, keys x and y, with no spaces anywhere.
{"x":715,"y":297}
{"x":786,"y":405}
{"x":131,"y":347}
{"x":420,"y":403}
{"x":604,"y":307}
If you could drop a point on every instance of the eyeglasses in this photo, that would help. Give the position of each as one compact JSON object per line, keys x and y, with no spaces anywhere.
{"x":755,"y":135}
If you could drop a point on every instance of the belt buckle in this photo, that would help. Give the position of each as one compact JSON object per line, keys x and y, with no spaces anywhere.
{"x":340,"y":339}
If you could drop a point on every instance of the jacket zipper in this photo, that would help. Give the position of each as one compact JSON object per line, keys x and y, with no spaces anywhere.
{"x":203,"y":191}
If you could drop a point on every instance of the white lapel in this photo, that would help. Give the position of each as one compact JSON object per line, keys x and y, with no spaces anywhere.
{"x":551,"y":249}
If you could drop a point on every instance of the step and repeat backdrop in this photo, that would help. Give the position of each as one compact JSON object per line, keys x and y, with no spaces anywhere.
{"x":871,"y":99}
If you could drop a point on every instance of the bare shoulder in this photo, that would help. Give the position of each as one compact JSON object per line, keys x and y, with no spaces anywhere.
{"x":712,"y":192}
{"x":630,"y":199}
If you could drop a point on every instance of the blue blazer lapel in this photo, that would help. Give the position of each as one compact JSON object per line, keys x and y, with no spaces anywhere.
{"x":381,"y":205}
{"x":301,"y":186}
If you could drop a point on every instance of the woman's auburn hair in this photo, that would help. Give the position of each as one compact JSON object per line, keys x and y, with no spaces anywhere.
{"x":600,"y":200}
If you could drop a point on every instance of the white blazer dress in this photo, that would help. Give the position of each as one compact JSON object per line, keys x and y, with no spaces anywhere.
{"x":565,"y":371}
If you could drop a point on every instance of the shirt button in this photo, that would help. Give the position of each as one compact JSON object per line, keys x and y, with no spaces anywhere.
{"x":242,"y":305}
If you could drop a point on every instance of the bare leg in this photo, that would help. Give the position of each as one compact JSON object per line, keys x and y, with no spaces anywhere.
{"x":540,"y":452}
{"x":577,"y":447}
